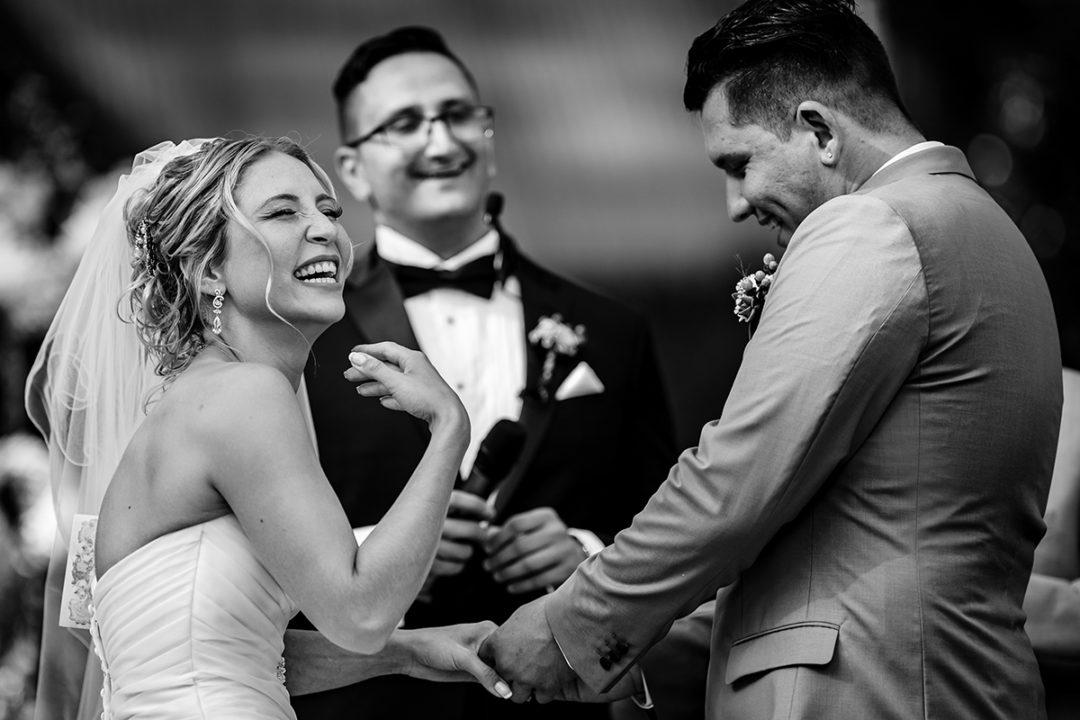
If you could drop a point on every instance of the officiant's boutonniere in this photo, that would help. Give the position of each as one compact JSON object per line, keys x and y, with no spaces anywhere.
{"x":750,"y":292}
{"x":558,"y":339}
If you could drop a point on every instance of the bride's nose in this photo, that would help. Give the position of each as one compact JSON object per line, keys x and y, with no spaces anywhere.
{"x":321,"y":229}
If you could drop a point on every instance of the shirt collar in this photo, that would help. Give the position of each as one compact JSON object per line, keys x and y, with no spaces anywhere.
{"x":917,"y":147}
{"x":396,"y":248}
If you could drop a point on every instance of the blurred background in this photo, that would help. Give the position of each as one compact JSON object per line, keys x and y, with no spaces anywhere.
{"x":604,"y":173}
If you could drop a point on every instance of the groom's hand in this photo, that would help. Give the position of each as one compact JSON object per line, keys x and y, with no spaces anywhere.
{"x":524,"y":653}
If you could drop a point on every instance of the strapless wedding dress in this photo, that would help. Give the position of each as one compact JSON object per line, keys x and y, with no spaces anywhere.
{"x":192,"y":625}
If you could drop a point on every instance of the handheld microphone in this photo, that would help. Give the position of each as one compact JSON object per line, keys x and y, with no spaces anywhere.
{"x":498,"y":452}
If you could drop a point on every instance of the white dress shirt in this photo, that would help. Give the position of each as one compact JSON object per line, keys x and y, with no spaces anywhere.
{"x":475,"y":343}
{"x":917,"y":147}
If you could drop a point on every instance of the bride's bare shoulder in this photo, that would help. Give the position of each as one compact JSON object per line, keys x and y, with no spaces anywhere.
{"x":231,"y":394}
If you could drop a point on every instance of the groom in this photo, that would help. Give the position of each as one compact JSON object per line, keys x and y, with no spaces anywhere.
{"x":873,"y":489}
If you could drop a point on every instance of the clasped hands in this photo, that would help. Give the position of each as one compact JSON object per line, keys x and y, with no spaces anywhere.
{"x":531,"y":551}
{"x":524,"y":653}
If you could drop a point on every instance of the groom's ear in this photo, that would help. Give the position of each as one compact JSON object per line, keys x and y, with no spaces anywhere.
{"x":822,"y":126}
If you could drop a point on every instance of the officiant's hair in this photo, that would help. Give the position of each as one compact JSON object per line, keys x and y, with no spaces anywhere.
{"x":774,"y":54}
{"x":177,"y":230}
{"x":371,"y":52}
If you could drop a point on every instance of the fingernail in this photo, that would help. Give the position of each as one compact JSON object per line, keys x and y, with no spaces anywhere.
{"x":503,"y":689}
{"x":358,"y":358}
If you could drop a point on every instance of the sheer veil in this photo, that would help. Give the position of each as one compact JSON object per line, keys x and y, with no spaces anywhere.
{"x":86,"y":394}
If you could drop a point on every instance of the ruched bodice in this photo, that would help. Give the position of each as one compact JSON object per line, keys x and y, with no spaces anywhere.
{"x":192,"y":625}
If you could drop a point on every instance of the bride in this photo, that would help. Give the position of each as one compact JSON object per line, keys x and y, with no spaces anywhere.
{"x":216,"y":523}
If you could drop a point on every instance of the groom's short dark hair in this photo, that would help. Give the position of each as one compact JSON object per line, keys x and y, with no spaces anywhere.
{"x":371,"y":52}
{"x":773,"y":54}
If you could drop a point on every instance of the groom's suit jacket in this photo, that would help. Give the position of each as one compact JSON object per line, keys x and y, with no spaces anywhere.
{"x":873,"y":490}
{"x":595,"y":459}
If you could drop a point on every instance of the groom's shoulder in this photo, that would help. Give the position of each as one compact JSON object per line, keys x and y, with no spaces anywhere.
{"x":855,"y":229}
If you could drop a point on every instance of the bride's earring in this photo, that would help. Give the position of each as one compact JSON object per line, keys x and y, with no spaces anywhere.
{"x":218,"y":301}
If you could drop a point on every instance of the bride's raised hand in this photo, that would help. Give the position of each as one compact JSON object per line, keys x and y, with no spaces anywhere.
{"x":404,"y":380}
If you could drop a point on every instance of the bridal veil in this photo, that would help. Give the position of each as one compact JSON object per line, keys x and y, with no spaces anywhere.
{"x":87,"y":394}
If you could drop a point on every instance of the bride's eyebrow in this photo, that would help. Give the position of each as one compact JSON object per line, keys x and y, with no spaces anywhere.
{"x":281,"y":196}
{"x":290,"y":197}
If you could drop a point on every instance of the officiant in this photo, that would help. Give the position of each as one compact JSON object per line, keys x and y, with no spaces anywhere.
{"x":513,"y":339}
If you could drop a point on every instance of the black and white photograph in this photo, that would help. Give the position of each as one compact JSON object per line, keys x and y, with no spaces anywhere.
{"x":606,"y":360}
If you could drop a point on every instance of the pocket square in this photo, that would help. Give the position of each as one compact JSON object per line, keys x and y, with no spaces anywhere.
{"x":581,"y":381}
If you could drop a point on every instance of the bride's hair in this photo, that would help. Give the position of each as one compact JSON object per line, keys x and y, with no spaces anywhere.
{"x":177,"y":230}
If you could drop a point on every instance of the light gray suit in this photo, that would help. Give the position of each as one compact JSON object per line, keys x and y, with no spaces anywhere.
{"x":875,"y":484}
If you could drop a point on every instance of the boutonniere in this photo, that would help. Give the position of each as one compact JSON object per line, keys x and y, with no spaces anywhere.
{"x":557,"y":339}
{"x":751,"y":290}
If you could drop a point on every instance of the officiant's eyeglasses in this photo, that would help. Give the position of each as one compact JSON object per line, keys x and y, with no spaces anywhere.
{"x":412,"y":130}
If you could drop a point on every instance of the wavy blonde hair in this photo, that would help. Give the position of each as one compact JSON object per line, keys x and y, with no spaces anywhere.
{"x":177,"y":230}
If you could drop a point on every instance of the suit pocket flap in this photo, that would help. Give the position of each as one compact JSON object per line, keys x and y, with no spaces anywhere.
{"x":805,"y":643}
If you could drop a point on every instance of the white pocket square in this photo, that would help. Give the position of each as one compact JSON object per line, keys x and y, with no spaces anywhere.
{"x":581,"y":381}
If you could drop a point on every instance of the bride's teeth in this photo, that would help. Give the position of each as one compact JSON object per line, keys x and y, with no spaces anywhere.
{"x":325,"y":267}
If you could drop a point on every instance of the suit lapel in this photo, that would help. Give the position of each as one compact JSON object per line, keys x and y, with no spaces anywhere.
{"x":374,"y":303}
{"x":540,"y":295}
{"x":376,"y":307}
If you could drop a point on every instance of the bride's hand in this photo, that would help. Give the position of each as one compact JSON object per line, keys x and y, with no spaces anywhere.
{"x":404,"y":379}
{"x":449,"y":654}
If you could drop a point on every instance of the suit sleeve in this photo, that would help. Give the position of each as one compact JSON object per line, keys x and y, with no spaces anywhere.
{"x":840,"y":332}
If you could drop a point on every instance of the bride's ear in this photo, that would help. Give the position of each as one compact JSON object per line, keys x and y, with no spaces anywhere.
{"x":212,"y":281}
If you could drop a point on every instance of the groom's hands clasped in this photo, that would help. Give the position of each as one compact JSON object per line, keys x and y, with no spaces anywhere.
{"x":524,"y":653}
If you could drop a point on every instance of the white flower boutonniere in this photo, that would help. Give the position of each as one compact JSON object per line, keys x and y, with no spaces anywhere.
{"x":750,"y":291}
{"x":558,"y":339}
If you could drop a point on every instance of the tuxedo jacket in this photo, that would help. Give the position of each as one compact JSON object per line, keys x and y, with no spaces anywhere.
{"x":595,"y":459}
{"x":873,"y":490}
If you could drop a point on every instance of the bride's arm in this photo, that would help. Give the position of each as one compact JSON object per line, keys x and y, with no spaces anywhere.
{"x":263,"y":464}
{"x":442,"y":654}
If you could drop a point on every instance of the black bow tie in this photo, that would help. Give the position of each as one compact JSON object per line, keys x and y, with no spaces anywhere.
{"x":476,"y":277}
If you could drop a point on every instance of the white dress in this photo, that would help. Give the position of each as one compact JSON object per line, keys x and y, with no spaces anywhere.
{"x":192,"y":625}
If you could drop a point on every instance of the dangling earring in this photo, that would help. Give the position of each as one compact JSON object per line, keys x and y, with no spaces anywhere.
{"x":219,"y":300}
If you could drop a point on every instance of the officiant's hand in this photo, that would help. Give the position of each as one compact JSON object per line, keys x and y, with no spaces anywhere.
{"x":463,"y":530}
{"x":532,"y":550}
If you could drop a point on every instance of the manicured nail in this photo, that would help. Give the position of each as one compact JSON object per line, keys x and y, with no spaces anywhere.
{"x":358,"y":359}
{"x":504,"y":690}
